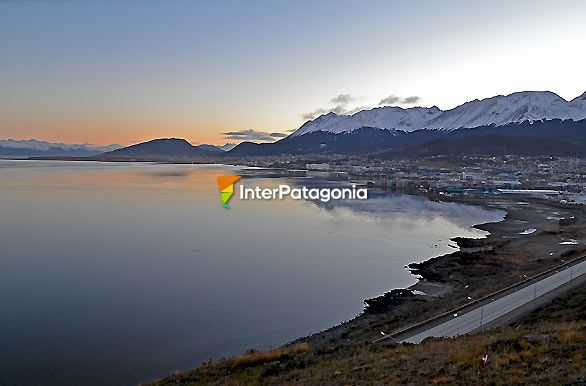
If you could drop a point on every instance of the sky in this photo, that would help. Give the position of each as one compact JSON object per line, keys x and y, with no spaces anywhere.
{"x":126,"y":71}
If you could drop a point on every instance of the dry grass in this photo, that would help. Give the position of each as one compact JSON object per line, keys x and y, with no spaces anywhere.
{"x":254,"y":358}
{"x":504,"y":356}
{"x":550,"y":351}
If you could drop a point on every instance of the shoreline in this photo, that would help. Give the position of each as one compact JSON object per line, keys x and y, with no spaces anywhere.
{"x":352,"y":352}
{"x":426,"y":287}
{"x":445,"y":281}
{"x":435,"y":289}
{"x":479,"y":266}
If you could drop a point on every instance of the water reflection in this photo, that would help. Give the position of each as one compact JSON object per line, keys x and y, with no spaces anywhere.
{"x":115,"y":273}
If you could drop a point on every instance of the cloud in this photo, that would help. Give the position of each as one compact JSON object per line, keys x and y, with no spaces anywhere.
{"x":253,"y":135}
{"x":340,"y":103}
{"x":390,"y":100}
{"x":411,"y":100}
{"x":395,"y":100}
{"x":357,"y":109}
{"x":340,"y":109}
{"x":342,"y":99}
{"x":314,"y":114}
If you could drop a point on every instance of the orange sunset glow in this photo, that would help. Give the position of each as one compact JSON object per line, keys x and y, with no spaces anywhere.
{"x":173,"y":72}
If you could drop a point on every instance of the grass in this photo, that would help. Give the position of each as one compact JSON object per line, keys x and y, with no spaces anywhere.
{"x":255,"y":358}
{"x":546,"y":347}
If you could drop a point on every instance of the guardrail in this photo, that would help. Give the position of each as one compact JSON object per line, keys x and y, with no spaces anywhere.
{"x":475,"y":304}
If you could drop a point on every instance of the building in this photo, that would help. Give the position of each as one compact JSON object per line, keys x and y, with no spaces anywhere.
{"x":322,"y":166}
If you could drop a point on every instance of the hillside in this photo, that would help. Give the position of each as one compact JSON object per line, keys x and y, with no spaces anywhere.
{"x":161,"y":149}
{"x":550,"y":137}
{"x":545,"y":347}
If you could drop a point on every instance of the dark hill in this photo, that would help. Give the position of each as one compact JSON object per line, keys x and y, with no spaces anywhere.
{"x":160,"y":149}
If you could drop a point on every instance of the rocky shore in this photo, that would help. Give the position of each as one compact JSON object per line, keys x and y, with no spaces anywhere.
{"x":479,"y":267}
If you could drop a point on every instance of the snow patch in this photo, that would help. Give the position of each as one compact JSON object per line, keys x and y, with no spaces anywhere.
{"x":528,"y":231}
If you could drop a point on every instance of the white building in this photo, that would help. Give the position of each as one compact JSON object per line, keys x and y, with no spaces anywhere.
{"x":317,"y":166}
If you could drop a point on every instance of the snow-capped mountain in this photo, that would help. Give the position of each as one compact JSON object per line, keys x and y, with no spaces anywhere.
{"x":388,"y":117}
{"x":32,"y":147}
{"x":210,"y":148}
{"x":498,"y":110}
{"x":216,"y":148}
{"x":579,"y":101}
{"x":228,"y":146}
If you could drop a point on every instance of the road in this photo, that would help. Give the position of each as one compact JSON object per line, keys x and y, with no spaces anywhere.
{"x":472,"y":320}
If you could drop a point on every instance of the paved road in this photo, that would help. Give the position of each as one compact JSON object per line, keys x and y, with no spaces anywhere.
{"x":470,"y":321}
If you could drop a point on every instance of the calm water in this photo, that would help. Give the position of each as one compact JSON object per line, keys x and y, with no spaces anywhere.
{"x":112,"y":274}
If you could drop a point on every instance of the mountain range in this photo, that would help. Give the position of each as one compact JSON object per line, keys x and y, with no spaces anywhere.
{"x":528,"y":122}
{"x":31,"y":148}
{"x":541,"y":121}
{"x":166,"y":148}
{"x":499,"y":111}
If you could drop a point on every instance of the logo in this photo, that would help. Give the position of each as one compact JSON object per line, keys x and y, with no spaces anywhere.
{"x":226,"y":186}
{"x":303,"y":193}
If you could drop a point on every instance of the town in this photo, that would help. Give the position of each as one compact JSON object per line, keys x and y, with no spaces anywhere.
{"x":557,"y":178}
